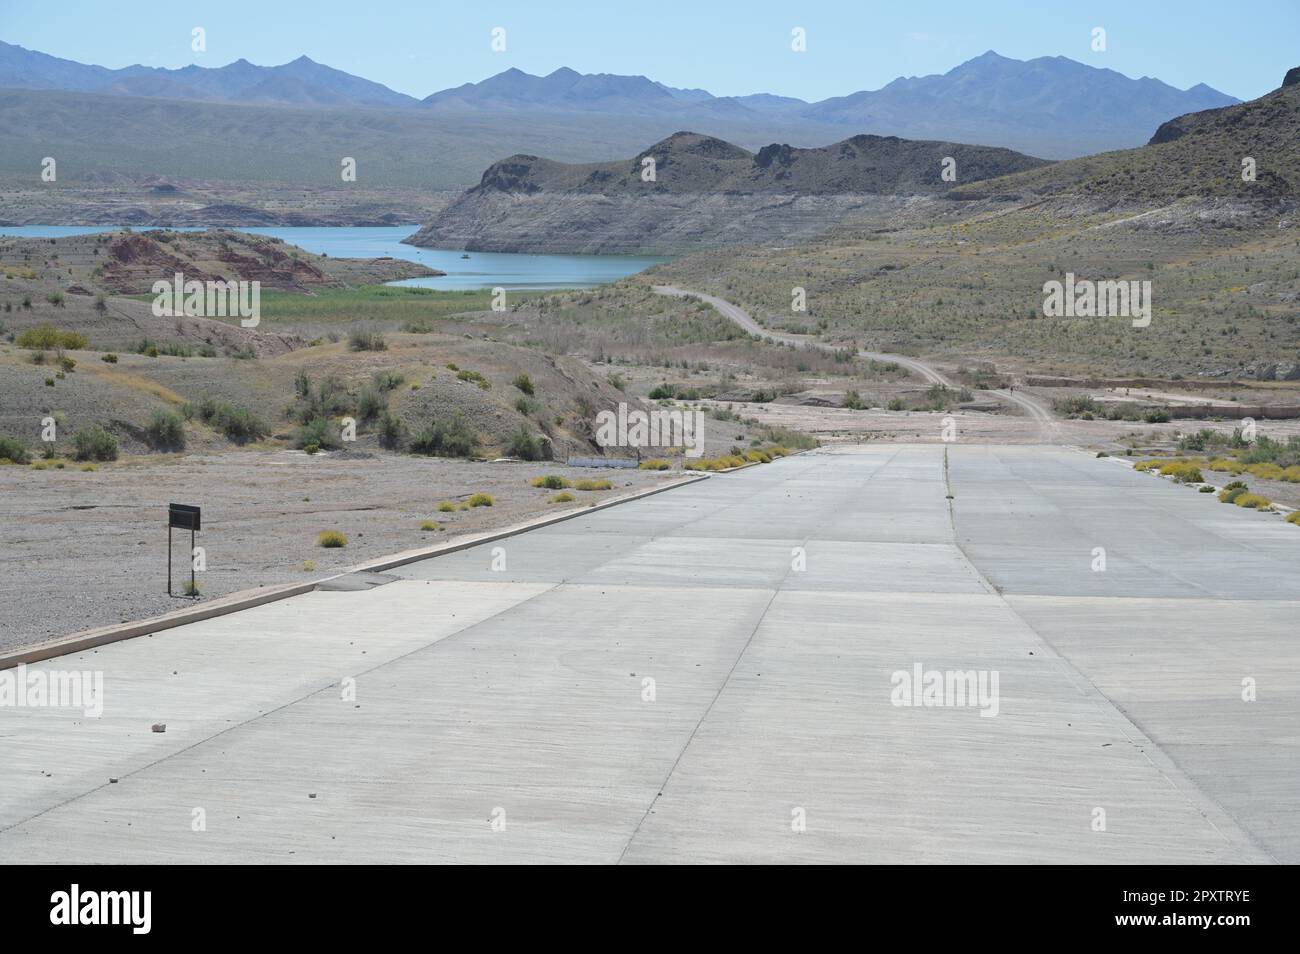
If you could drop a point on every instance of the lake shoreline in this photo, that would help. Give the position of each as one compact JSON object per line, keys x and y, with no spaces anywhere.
{"x":519,"y":271}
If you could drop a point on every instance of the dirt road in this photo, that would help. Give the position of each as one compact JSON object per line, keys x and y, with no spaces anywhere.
{"x":1048,"y":430}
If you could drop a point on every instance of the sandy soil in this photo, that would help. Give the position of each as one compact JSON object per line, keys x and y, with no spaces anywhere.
{"x":85,"y":549}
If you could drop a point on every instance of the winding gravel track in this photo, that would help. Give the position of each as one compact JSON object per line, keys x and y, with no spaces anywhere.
{"x":1048,"y":429}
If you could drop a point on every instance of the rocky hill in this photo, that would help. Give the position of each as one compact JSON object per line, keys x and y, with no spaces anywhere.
{"x":79,"y":282}
{"x":688,"y":162}
{"x":1197,"y":155}
{"x":703,"y":191}
{"x":128,"y":263}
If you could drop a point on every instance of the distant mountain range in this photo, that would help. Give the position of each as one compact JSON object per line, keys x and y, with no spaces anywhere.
{"x":303,"y":82}
{"x":1050,"y":106}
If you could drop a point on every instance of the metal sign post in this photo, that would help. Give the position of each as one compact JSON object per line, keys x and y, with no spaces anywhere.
{"x":184,"y":517}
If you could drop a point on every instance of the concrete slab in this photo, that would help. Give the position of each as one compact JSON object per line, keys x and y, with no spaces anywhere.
{"x":506,"y":714}
{"x":1179,"y":669}
{"x":810,"y":707}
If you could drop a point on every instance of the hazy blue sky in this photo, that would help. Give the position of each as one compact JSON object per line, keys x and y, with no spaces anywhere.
{"x":724,"y":46}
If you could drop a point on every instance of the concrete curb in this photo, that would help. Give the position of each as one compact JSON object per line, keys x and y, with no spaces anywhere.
{"x":754,"y":463}
{"x":246,"y":599}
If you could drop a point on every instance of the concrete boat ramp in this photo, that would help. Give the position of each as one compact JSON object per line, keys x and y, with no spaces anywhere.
{"x":737,"y":670}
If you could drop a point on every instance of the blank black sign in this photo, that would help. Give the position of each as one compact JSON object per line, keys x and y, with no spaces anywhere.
{"x":183,"y":516}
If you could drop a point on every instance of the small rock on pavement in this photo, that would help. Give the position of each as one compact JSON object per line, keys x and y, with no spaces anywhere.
{"x":160,"y":727}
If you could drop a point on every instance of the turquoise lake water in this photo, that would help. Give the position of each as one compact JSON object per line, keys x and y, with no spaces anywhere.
{"x":480,"y":270}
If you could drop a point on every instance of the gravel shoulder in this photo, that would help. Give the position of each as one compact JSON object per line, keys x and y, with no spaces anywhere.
{"x":86,"y":549}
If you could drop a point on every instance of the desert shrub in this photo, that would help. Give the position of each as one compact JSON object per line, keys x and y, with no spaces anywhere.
{"x":1253,"y":502}
{"x":616,"y":381}
{"x":47,"y":336}
{"x":452,"y":438}
{"x":524,"y":383}
{"x":655,"y":464}
{"x":388,"y":380}
{"x":1265,"y":471}
{"x":895,"y":404}
{"x":318,"y":432}
{"x":725,"y":462}
{"x":94,"y":443}
{"x":525,"y":406}
{"x":110,"y":358}
{"x":165,"y":430}
{"x":430,"y":525}
{"x":1292,"y":474}
{"x":1293,"y":517}
{"x":302,"y":384}
{"x":370,"y":403}
{"x":550,"y":482}
{"x":236,"y":423}
{"x":853,"y":401}
{"x":1225,"y":466}
{"x":366,"y":339}
{"x":329,"y":398}
{"x":1155,"y":415}
{"x":661,"y":392}
{"x":391,"y":430}
{"x":564,"y":497}
{"x":1185,"y":472}
{"x":1201,"y":440}
{"x":331,"y":539}
{"x":593,"y":485}
{"x":312,"y":448}
{"x":940,"y":397}
{"x":1145,"y":465}
{"x":480,"y":500}
{"x":1232,"y":491}
{"x":12,"y":450}
{"x":525,"y":445}
{"x":1266,"y":450}
{"x":1206,"y":489}
{"x":446,"y":507}
{"x":465,"y":374}
{"x":776,"y":450}
{"x":785,"y":437}
{"x":1076,"y":405}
